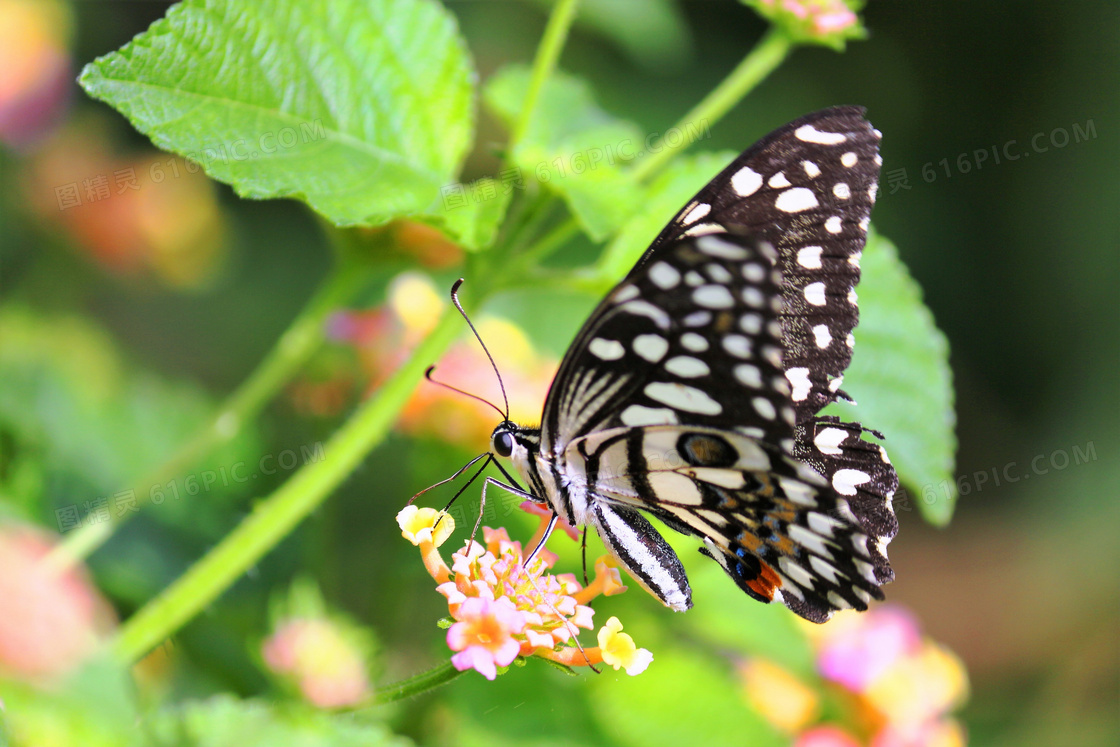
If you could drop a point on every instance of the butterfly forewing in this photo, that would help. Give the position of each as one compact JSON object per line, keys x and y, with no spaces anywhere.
{"x":807,"y":188}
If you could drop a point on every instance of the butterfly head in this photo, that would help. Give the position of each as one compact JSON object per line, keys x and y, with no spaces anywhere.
{"x":513,"y":441}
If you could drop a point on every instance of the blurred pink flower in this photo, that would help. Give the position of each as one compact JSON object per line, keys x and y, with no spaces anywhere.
{"x":855,"y":650}
{"x":484,"y":635}
{"x":814,"y":19}
{"x":826,"y":736}
{"x":52,"y":619}
{"x":328,"y":669}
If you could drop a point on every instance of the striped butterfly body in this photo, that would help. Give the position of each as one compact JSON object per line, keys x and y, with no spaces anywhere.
{"x":692,"y":392}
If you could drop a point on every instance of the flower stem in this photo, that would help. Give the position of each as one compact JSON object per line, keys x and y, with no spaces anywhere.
{"x":421,"y":683}
{"x":295,"y":346}
{"x":767,"y":55}
{"x":548,"y":53}
{"x":274,"y":517}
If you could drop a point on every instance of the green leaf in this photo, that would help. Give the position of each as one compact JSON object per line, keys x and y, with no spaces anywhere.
{"x":683,"y":178}
{"x":901,"y":379}
{"x":361,"y":108}
{"x":224,"y":720}
{"x":681,"y":699}
{"x":93,"y":707}
{"x":473,"y":212}
{"x":572,"y":147}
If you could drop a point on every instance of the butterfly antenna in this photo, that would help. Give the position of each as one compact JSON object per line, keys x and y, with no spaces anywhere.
{"x":459,"y":306}
{"x":428,"y":376}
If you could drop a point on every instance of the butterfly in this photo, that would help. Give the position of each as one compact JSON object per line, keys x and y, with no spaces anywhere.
{"x":692,"y":392}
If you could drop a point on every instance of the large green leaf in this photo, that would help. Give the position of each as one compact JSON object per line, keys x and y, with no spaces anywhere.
{"x":571,"y":146}
{"x":901,"y":379}
{"x":361,"y":108}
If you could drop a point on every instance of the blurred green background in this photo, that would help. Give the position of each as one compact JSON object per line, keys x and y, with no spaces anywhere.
{"x":1019,"y":261}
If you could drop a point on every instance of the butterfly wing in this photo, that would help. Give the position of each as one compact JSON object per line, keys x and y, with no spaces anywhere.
{"x":720,"y":334}
{"x":807,"y":188}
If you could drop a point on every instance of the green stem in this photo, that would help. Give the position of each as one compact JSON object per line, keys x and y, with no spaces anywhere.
{"x":295,"y":346}
{"x":421,"y":683}
{"x":767,"y":55}
{"x":552,"y":43}
{"x":274,"y":517}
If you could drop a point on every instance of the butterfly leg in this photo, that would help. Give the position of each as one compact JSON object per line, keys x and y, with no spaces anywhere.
{"x":499,"y":484}
{"x":644,"y":553}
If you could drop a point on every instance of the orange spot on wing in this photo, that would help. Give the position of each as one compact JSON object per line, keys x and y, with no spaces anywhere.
{"x":766,"y":583}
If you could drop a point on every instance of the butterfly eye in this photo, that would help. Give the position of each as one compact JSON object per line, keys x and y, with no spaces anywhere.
{"x":503,"y":443}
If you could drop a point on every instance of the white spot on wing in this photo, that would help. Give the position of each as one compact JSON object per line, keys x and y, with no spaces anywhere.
{"x":749,"y":375}
{"x":842,"y":190}
{"x":833,"y":224}
{"x":625,"y":293}
{"x":737,"y":345}
{"x":814,"y":293}
{"x":809,"y":257}
{"x":694,"y":342}
{"x":746,"y":181}
{"x":651,"y":347}
{"x":713,"y":297}
{"x":810,"y":134}
{"x":716,"y":247}
{"x":750,"y":323}
{"x":664,"y":275}
{"x":753,"y":272}
{"x":608,"y":350}
{"x":642,"y":415}
{"x":718,"y":273}
{"x":687,"y":367}
{"x":702,"y":229}
{"x":697,"y":319}
{"x":645,"y":308}
{"x":811,"y":169}
{"x":799,"y":380}
{"x":696,"y":213}
{"x":779,"y":181}
{"x":683,"y":397}
{"x":846,"y":480}
{"x":849,"y":159}
{"x":828,"y":441}
{"x":764,"y":407}
{"x":822,"y":335}
{"x":796,"y":200}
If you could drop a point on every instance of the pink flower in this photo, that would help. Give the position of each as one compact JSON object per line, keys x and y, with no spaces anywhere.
{"x":857,"y":650}
{"x":328,"y":669}
{"x":52,"y":618}
{"x":484,"y":636}
{"x":826,"y":736}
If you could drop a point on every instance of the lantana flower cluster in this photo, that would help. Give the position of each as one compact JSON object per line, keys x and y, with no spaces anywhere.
{"x":828,"y":22}
{"x":503,"y":609}
{"x":896,"y":687}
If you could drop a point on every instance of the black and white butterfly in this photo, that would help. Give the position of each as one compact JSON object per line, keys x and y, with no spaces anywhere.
{"x":692,"y":392}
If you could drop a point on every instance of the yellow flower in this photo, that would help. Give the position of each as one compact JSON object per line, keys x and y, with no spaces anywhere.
{"x":419,"y":525}
{"x":779,"y":696}
{"x":618,"y":649}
